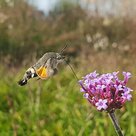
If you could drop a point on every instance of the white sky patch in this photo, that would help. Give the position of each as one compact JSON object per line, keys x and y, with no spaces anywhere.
{"x":103,"y":6}
{"x":44,"y":5}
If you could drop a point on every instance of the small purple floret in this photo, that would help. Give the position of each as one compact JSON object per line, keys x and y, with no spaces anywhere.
{"x":101,"y":104}
{"x":106,"y":91}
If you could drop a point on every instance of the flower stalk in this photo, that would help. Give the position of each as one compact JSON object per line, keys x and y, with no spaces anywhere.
{"x":115,"y":123}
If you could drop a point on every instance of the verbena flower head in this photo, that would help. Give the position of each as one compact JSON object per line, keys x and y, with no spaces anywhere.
{"x":106,"y":92}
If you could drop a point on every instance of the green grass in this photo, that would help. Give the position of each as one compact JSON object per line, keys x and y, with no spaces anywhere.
{"x":60,"y":110}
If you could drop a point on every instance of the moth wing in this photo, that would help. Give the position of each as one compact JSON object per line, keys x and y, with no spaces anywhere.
{"x":42,"y":72}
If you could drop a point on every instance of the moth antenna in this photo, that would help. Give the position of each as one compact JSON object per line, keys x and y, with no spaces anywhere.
{"x":70,"y":66}
{"x":63,"y":49}
{"x":72,"y":69}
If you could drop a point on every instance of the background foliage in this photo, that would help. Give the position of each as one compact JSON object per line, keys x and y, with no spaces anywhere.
{"x":96,"y":39}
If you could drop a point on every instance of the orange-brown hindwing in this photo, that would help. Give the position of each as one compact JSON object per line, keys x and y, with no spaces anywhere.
{"x":42,"y":72}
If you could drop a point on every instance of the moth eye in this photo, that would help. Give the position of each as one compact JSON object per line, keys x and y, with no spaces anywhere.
{"x":52,"y":58}
{"x":60,"y":57}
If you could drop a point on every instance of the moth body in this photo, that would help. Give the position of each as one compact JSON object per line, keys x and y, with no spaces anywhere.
{"x":45,"y":67}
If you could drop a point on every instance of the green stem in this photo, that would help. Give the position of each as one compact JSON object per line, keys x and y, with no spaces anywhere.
{"x":115,"y":123}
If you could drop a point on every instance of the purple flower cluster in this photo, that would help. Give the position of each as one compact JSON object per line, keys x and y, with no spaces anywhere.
{"x":106,"y":92}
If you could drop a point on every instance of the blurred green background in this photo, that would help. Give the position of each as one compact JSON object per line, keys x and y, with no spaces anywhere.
{"x":100,"y":34}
